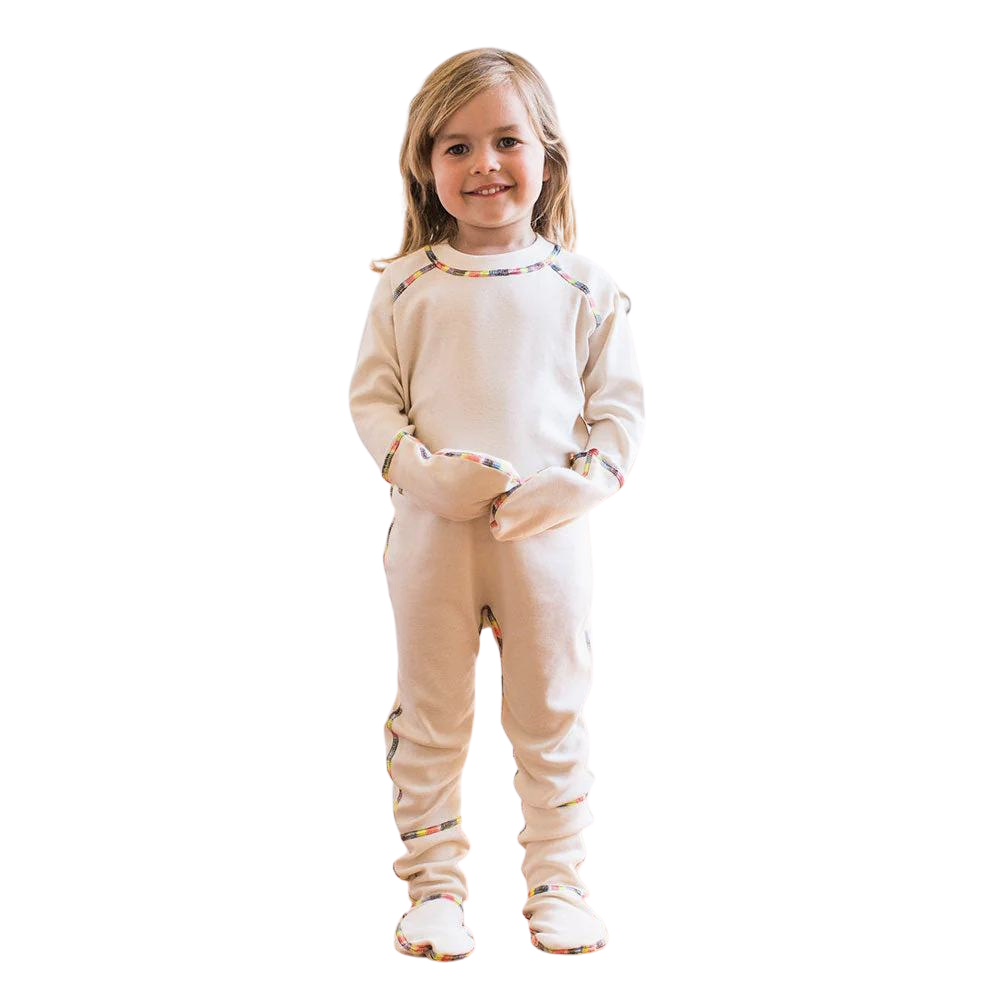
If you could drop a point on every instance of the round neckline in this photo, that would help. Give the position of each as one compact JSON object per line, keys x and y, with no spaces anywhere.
{"x":535,"y":252}
{"x":505,"y":253}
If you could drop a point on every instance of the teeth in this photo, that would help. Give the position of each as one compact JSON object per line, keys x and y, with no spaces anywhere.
{"x":492,"y":190}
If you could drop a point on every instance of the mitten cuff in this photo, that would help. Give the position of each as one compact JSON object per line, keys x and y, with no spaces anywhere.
{"x":453,"y":483}
{"x":594,"y":463}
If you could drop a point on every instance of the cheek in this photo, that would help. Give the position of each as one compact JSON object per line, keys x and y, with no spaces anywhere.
{"x":448,"y":188}
{"x":445,"y":169}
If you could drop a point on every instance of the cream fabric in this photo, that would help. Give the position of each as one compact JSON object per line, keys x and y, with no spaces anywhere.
{"x":458,"y":487}
{"x":435,"y":928}
{"x":560,"y":920}
{"x":552,"y":497}
{"x":449,"y":581}
{"x":501,"y":398}
{"x":530,"y":362}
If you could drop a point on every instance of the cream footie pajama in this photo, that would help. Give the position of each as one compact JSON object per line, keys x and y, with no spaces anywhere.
{"x":500,"y":396}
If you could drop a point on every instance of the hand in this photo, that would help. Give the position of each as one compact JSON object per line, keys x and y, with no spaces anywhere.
{"x":551,"y":498}
{"x":454,"y":484}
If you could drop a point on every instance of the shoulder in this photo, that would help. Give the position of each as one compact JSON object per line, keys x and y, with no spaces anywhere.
{"x":394,"y":271}
{"x":403,"y":267}
{"x":599,"y":281}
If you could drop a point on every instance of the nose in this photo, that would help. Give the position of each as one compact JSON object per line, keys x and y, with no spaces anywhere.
{"x":485,"y":162}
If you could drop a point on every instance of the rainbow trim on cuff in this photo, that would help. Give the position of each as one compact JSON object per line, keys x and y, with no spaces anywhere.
{"x":590,"y":455}
{"x":387,"y":461}
{"x":501,"y":464}
{"x":490,"y":461}
{"x":497,"y":501}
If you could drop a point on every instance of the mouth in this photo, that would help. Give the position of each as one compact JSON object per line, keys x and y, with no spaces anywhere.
{"x":490,"y":192}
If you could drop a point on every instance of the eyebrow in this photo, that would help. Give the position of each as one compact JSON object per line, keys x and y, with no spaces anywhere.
{"x":460,"y":135}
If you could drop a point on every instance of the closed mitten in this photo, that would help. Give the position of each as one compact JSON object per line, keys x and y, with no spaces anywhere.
{"x":454,"y":484}
{"x":554,"y":496}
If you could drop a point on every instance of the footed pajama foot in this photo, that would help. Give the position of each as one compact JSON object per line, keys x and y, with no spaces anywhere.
{"x":561,"y":923}
{"x":435,"y":927}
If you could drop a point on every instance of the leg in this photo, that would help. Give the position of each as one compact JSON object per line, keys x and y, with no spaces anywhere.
{"x":430,"y":568}
{"x":541,"y":599}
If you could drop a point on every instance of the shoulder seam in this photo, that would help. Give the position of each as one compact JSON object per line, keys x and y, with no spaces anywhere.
{"x":584,"y":288}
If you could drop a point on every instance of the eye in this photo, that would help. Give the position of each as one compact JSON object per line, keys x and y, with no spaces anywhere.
{"x":517,"y":142}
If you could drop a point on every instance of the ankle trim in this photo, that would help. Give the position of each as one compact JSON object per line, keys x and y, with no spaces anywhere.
{"x":440,"y":895}
{"x":553,"y":886}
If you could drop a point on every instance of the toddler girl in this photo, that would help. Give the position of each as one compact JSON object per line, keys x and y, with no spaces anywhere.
{"x":497,"y":388}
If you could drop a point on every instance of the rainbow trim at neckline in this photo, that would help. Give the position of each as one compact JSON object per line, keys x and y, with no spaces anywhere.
{"x":495,"y":272}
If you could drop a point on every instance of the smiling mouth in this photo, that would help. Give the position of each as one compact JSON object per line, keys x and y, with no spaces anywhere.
{"x":502,"y":188}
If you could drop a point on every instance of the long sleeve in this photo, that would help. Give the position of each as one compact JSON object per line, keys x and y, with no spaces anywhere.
{"x":614,"y":409}
{"x":614,"y":405}
{"x":376,"y":389}
{"x":455,"y":484}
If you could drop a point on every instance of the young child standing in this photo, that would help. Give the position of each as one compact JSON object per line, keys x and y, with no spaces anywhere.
{"x":498,"y":390}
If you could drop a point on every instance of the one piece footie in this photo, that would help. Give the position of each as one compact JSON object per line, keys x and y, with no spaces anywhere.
{"x":436,"y":949}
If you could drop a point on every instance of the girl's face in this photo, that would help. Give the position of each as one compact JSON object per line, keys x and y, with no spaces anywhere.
{"x":490,"y":141}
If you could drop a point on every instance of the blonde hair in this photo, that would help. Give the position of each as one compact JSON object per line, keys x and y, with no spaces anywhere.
{"x":455,"y":82}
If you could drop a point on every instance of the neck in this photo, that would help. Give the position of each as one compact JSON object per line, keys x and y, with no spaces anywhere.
{"x":489,"y":242}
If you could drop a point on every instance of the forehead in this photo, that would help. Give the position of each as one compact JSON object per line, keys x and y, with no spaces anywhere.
{"x":493,"y":110}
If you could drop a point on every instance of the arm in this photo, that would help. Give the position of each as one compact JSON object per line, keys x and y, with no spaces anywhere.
{"x":458,"y":485}
{"x":614,"y":409}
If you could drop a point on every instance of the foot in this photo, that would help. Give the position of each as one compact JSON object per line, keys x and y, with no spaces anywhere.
{"x":561,"y":922}
{"x":435,"y":927}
